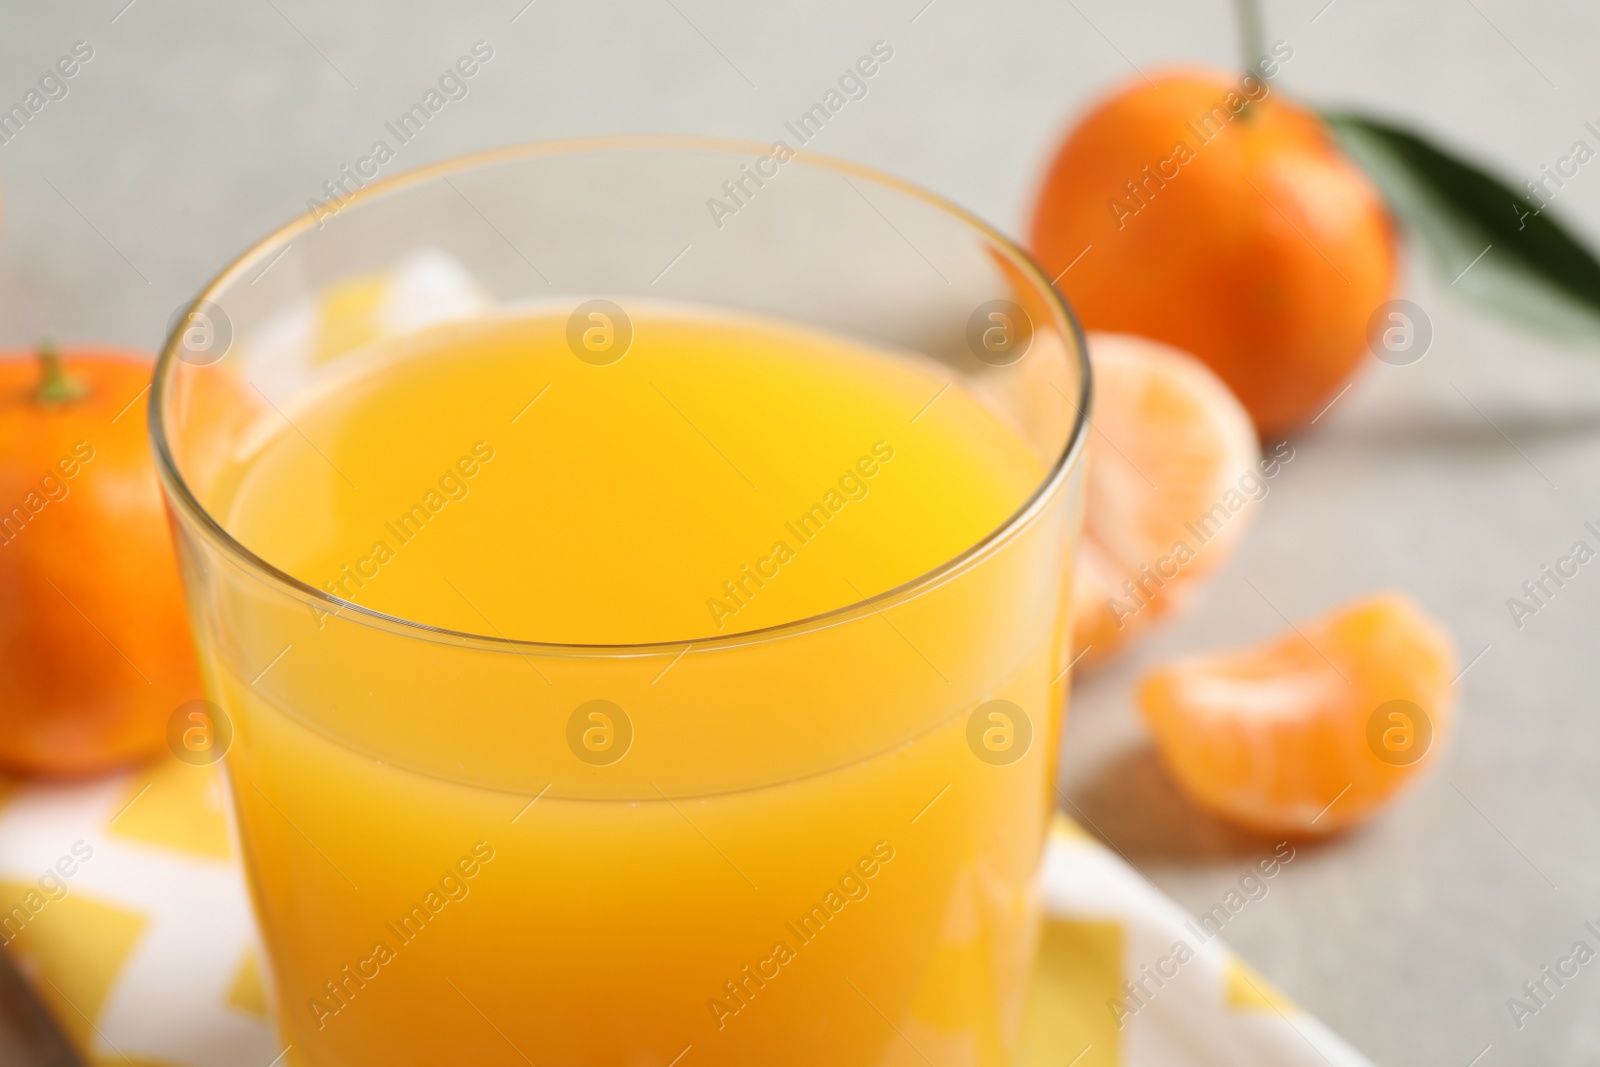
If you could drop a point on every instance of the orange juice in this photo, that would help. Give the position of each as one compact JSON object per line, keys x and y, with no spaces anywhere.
{"x":717,"y":847}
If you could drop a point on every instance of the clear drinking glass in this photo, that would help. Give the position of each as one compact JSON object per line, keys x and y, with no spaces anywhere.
{"x":823,"y":843}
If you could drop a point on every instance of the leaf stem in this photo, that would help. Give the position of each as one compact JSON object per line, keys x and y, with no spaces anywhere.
{"x":1250,"y":38}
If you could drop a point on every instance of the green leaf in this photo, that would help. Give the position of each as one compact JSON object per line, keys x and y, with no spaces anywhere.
{"x":1488,"y":240}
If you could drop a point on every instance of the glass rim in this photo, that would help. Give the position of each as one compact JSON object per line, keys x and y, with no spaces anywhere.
{"x":185,"y":502}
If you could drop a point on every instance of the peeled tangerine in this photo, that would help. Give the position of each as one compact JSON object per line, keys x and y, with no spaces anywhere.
{"x":1313,"y":731}
{"x":1173,"y":473}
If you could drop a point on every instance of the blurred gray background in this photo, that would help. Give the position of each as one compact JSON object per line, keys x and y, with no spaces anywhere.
{"x":197,"y":127}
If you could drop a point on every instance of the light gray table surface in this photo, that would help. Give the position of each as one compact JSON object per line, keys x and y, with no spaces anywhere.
{"x":197,"y":127}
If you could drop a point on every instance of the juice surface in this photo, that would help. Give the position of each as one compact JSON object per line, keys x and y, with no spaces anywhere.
{"x":723,"y":476}
{"x":804,"y":857}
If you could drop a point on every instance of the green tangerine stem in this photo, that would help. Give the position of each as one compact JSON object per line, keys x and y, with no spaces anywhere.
{"x":56,"y":386}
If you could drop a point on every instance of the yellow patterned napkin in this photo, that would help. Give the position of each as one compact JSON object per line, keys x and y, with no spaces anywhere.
{"x":124,"y":907}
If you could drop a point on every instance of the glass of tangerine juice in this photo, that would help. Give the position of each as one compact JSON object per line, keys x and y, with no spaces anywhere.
{"x":637,"y":629}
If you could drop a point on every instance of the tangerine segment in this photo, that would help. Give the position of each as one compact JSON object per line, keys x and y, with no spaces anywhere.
{"x":1313,"y":731}
{"x":1173,"y":472}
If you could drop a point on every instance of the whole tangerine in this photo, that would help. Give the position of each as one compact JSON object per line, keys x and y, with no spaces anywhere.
{"x":1212,"y":214}
{"x":95,"y":651}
